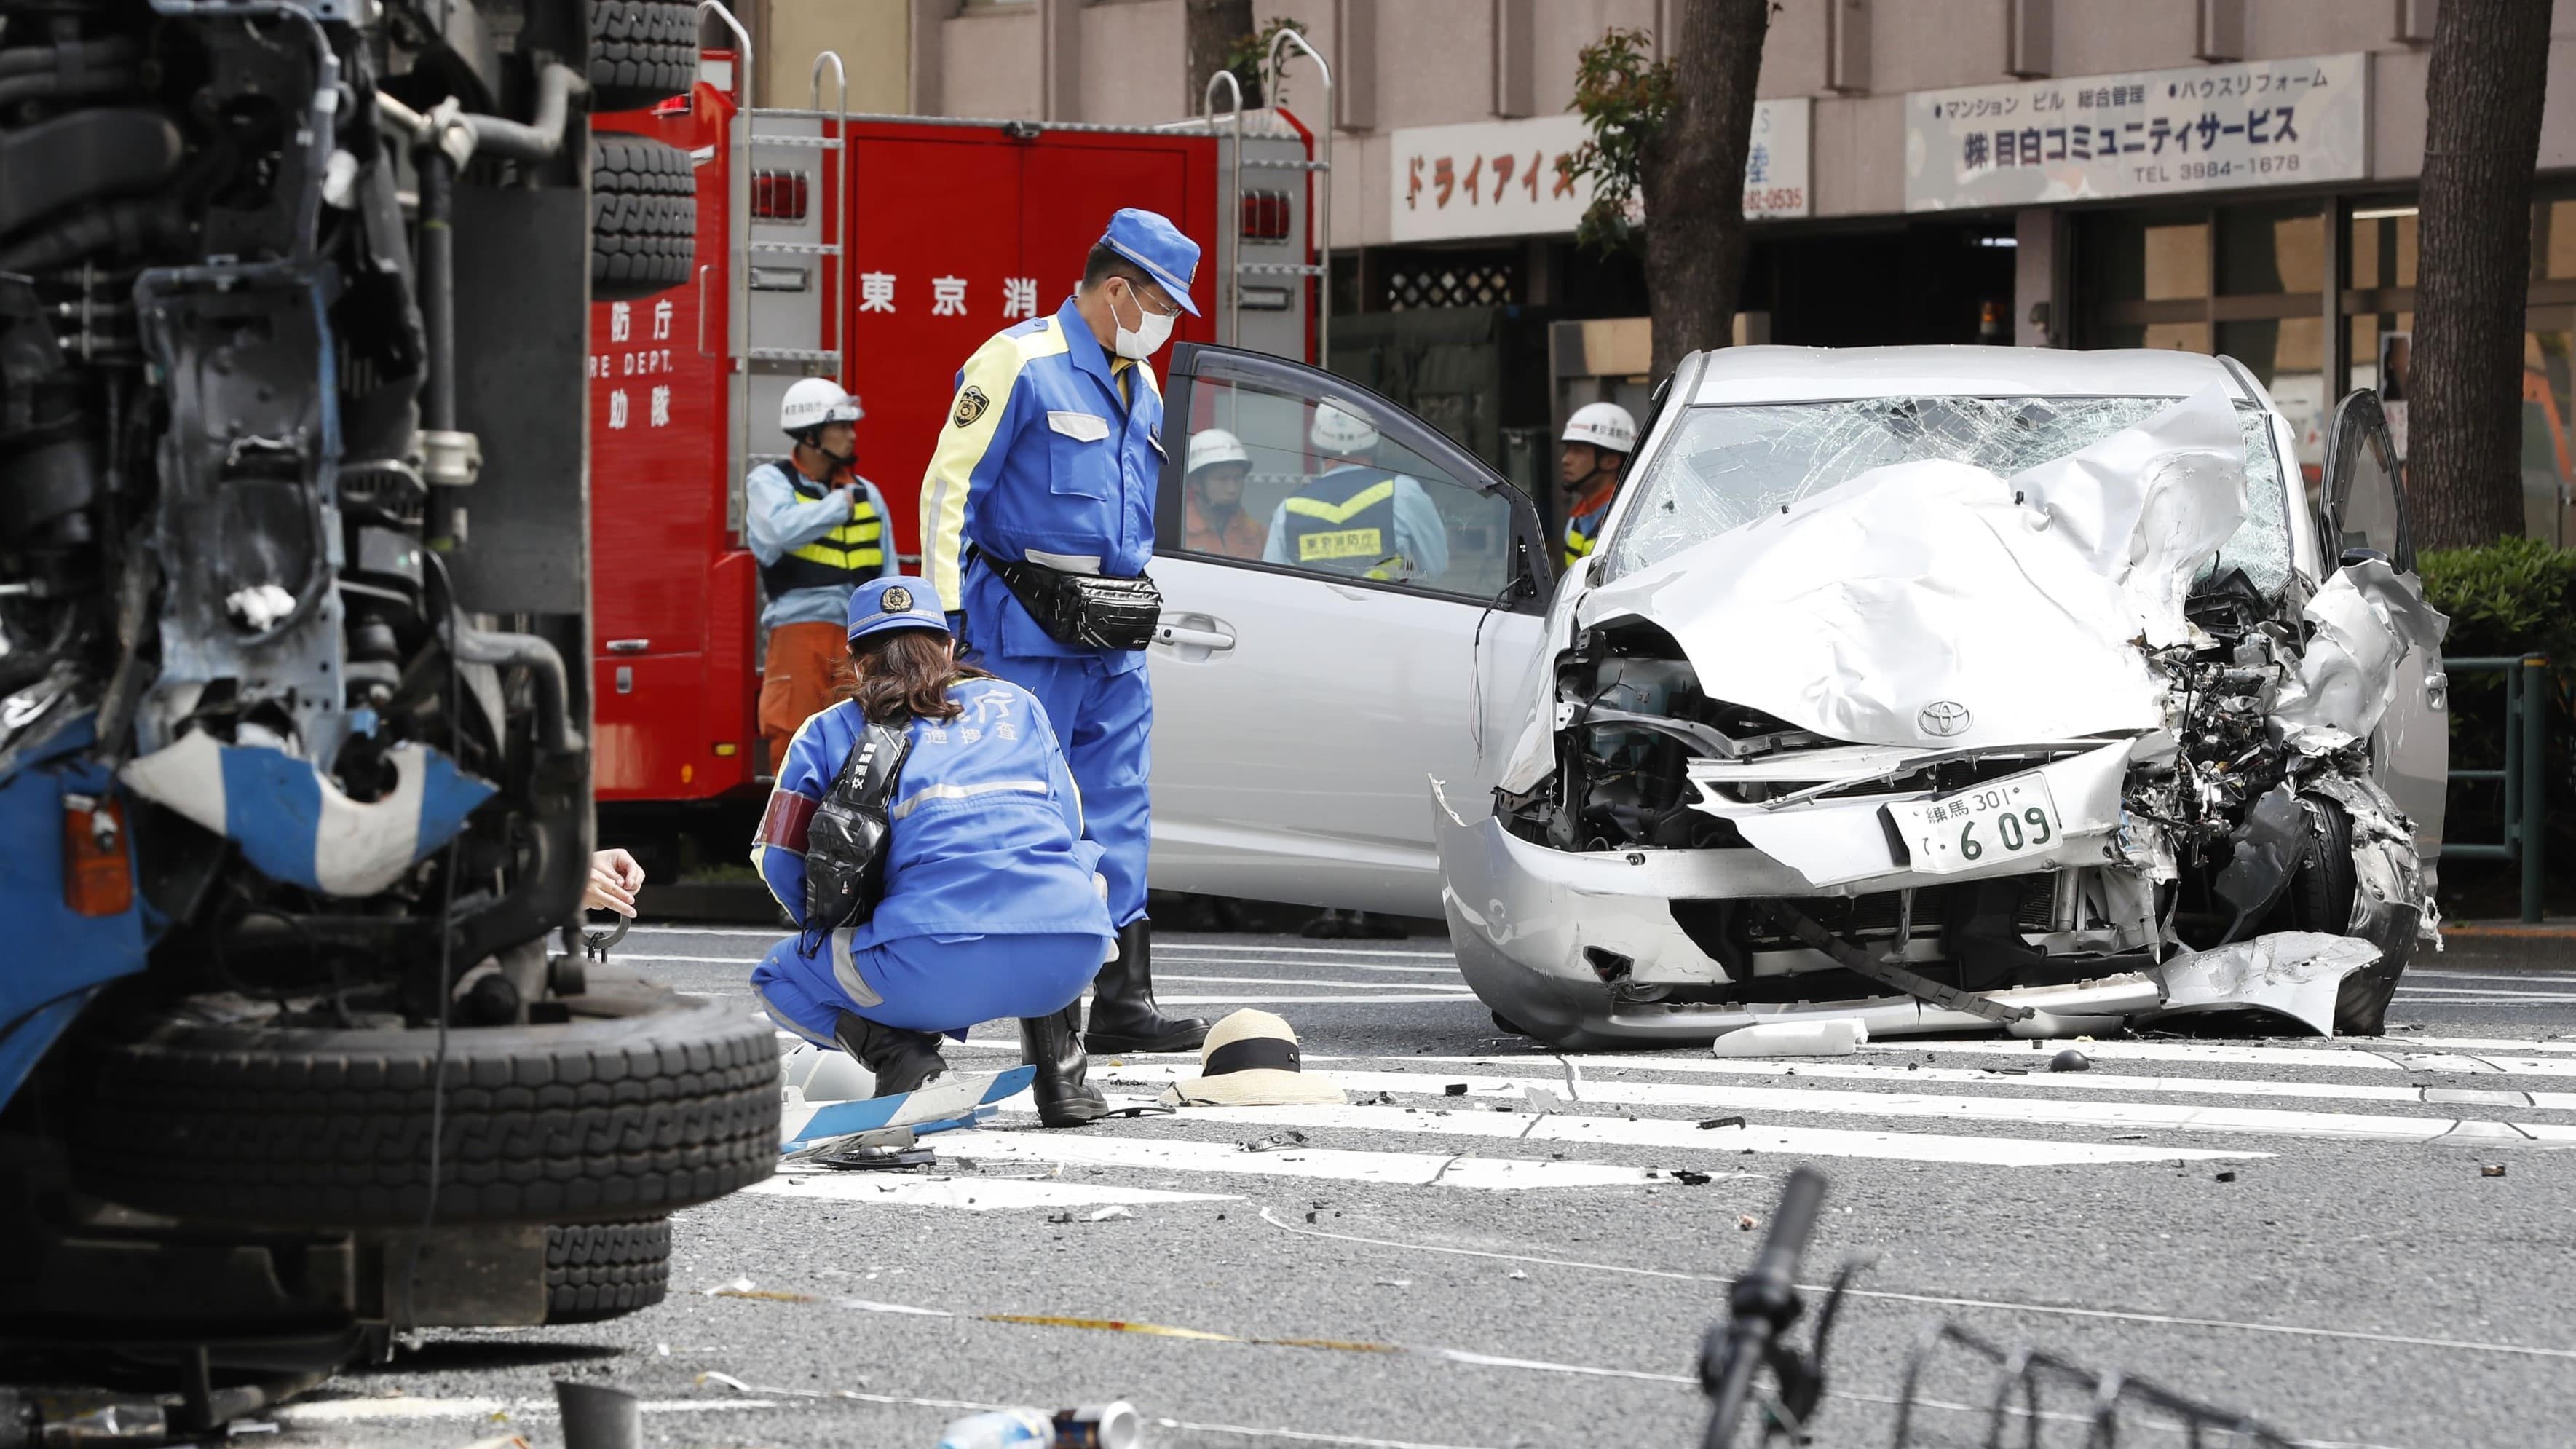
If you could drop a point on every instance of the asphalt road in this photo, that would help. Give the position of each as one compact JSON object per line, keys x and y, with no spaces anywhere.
{"x":2303,"y":1231}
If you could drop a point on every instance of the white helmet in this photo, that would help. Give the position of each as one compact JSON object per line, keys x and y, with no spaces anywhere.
{"x":1603,"y":425}
{"x":1340,"y":433}
{"x":1211,"y":446}
{"x":814,"y":401}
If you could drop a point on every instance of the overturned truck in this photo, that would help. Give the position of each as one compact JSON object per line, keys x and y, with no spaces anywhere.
{"x":1968,"y":689}
{"x":294,"y":778}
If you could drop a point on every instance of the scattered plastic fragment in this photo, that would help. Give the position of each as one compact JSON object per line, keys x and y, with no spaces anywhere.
{"x":1744,"y":1222}
{"x":1517,"y":1274}
{"x":1540,"y":1099}
{"x":1456,"y":1089}
{"x":1394,"y":1283}
{"x":2070,"y":1060}
{"x":1688,"y":1178}
{"x":1832,"y":1038}
{"x":1275,"y":1141}
{"x":2224,"y":1176}
{"x":1721,"y":1122}
{"x":2492,"y":1169}
{"x":1111,"y":1213}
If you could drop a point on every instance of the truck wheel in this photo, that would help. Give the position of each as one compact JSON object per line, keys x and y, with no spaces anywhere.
{"x":643,"y":217}
{"x":602,"y":1270}
{"x":641,"y":51}
{"x":672,"y":1102}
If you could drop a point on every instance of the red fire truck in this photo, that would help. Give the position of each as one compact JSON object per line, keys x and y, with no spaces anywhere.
{"x":879,"y":251}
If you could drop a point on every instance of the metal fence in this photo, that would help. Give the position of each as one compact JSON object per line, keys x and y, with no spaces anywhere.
{"x":2525,"y":775}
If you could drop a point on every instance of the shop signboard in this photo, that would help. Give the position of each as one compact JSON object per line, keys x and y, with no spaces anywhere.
{"x":1501,"y":178}
{"x":2144,"y":133}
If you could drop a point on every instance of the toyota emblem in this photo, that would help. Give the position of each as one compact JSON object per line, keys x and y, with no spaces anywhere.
{"x":1944,"y":718}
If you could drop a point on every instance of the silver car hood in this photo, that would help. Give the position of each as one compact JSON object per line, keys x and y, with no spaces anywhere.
{"x":1938,"y":603}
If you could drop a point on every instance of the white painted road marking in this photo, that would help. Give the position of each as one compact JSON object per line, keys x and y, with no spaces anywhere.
{"x":1171,"y":1154}
{"x":1720,"y":1145}
{"x":2039,"y":1076}
{"x":972,"y":1194}
{"x":2385,"y":1054}
{"x":2017,"y":1111}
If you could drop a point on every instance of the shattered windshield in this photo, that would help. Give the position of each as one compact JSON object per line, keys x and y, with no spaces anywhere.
{"x":1731,"y":464}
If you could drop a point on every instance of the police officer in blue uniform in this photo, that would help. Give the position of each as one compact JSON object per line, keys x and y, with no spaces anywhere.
{"x":1037,"y":520}
{"x":991,"y":905}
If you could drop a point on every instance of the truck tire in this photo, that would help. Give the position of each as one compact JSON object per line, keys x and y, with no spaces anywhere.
{"x":672,"y":1103}
{"x":602,"y":1270}
{"x":643,"y":217}
{"x":641,"y":51}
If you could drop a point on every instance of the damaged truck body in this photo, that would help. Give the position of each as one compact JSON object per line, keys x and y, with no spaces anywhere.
{"x":1942,"y":688}
{"x":294,"y":779}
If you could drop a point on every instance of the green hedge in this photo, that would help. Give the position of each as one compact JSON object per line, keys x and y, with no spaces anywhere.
{"x":2509,"y":597}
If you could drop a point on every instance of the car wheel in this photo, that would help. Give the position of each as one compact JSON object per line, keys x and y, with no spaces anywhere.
{"x":602,"y":1270}
{"x":641,"y":51}
{"x":672,"y":1102}
{"x":643,"y":217}
{"x":2321,"y":898}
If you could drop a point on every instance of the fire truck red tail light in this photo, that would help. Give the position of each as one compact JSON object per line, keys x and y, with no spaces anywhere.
{"x":778,"y":195}
{"x":1265,"y":216}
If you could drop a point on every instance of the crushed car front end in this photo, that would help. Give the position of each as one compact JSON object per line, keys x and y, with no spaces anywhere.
{"x":1974,"y":703}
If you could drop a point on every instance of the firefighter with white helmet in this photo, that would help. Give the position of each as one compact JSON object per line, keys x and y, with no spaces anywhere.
{"x":1598,"y":441}
{"x":817,"y":530}
{"x":1213,"y":519}
{"x":1355,"y":517}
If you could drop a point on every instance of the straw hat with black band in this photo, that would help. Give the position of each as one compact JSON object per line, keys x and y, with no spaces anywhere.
{"x":1250,"y":1059}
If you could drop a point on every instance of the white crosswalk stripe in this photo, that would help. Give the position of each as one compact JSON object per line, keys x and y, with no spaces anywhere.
{"x":1546,"y":1123}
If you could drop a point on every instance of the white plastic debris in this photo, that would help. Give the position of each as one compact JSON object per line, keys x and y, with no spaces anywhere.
{"x":1110,"y":1213}
{"x":1838,"y":1037}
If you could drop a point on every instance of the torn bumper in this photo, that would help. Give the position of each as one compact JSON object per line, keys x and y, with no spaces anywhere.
{"x":1527,"y":921}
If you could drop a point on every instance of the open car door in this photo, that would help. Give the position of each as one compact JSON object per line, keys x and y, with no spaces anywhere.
{"x":1313,"y":673}
{"x":2362,"y":517}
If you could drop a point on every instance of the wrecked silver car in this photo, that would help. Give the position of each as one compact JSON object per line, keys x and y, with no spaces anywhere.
{"x":1966,"y":688}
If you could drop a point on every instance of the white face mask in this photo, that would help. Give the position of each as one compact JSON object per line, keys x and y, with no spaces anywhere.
{"x":1151,"y":331}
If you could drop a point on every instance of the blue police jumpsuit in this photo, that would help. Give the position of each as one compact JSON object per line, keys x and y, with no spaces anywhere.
{"x":1051,"y":453}
{"x":991,"y":908}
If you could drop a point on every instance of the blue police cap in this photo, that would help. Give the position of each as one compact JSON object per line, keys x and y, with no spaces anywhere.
{"x":882,"y":605}
{"x":1150,"y":240}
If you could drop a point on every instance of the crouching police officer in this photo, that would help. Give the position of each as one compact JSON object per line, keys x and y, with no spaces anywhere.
{"x":816,"y":529}
{"x":990,"y":907}
{"x":1357,"y":518}
{"x":1037,"y":522}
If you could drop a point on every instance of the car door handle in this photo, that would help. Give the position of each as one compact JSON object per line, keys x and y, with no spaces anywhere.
{"x":1181,"y":634}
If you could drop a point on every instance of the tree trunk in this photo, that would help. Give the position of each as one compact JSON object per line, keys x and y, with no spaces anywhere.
{"x":2489,"y":70}
{"x":1693,"y":178}
{"x":1214,"y":28}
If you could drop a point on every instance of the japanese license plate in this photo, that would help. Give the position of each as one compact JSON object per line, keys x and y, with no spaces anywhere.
{"x":1993,"y":822}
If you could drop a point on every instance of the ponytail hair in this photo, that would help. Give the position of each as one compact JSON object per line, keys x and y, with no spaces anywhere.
{"x":904,"y":675}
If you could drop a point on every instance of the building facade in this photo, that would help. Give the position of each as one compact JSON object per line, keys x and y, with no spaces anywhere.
{"x":2220,"y":175}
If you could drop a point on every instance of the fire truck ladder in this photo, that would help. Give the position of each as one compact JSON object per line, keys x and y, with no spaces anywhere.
{"x":1320,"y":182}
{"x":753,"y":190}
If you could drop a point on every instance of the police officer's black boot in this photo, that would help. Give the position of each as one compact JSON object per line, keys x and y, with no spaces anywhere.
{"x":902,"y":1060}
{"x":1124,"y":1017}
{"x":1053,"y":1045}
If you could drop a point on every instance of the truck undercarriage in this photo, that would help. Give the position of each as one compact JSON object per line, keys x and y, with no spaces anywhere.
{"x":293,"y":547}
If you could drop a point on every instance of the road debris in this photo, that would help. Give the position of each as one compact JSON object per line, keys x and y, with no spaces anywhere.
{"x":1456,"y":1089}
{"x":1715,"y":1122}
{"x":1688,"y":1178}
{"x":596,"y":1416}
{"x":2492,"y":1169}
{"x":1745,"y":1222}
{"x":1275,"y":1141}
{"x":2223,"y":1176}
{"x":1833,"y":1038}
{"x":1111,"y":1213}
{"x":2070,"y":1060}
